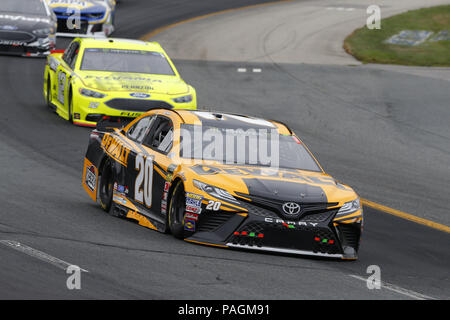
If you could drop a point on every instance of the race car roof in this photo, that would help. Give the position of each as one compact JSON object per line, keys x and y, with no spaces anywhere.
{"x":229,"y":120}
{"x":118,"y":43}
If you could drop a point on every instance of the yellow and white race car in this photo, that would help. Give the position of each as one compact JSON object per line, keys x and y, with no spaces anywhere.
{"x":94,"y":78}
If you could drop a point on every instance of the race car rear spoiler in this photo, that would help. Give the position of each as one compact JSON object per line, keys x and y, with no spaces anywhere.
{"x":108,"y":123}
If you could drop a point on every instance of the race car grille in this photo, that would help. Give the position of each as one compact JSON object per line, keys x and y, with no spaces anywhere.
{"x":93,"y":16}
{"x":21,"y":50}
{"x":63,"y":27}
{"x":64,"y":15}
{"x":325,"y":242}
{"x":258,"y":211}
{"x":16,"y":36}
{"x":211,"y":221}
{"x":263,"y":207}
{"x":137,"y":104}
{"x":249,"y":235}
{"x":319,"y":217}
{"x":350,"y":235}
{"x":281,"y":235}
{"x":254,"y":227}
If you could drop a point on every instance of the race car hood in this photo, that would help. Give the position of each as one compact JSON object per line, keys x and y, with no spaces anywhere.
{"x":83,"y":6}
{"x":23,"y":22}
{"x":282,"y":184}
{"x":132,"y":82}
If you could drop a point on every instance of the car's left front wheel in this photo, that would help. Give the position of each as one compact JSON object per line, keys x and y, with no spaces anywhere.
{"x":106,"y":186}
{"x":49,"y":94}
{"x":70,"y":106}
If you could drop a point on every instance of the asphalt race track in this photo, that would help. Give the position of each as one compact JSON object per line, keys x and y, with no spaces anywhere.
{"x":368,"y":127}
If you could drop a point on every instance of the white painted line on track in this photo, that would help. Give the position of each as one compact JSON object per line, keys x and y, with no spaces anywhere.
{"x":397,"y":289}
{"x":340,"y":9}
{"x":256,"y":70}
{"x":38,"y":254}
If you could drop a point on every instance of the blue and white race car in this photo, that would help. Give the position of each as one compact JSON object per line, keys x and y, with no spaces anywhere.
{"x":84,"y":17}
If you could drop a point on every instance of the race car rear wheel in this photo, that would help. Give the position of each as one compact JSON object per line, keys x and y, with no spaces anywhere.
{"x":177,"y":209}
{"x":106,"y":186}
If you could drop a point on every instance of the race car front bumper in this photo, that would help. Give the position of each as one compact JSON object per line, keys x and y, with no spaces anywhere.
{"x":88,"y":110}
{"x":37,"y":47}
{"x":314,"y":234}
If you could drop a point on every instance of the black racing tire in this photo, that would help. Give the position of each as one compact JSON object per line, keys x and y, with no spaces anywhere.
{"x":70,"y":106}
{"x":106,"y":186}
{"x":48,"y":98}
{"x":177,"y":209}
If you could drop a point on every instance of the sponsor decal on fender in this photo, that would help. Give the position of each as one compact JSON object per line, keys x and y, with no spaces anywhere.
{"x":193,"y":209}
{"x":90,"y":174}
{"x":115,"y":149}
{"x":120,"y":188}
{"x":191,"y":216}
{"x":119,"y":199}
{"x":163,"y":206}
{"x":166,"y":186}
{"x":90,"y":178}
{"x":130,"y":114}
{"x":189,"y":225}
{"x":193,"y":199}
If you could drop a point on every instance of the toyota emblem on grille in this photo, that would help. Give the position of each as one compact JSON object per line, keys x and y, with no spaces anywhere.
{"x":291,"y":208}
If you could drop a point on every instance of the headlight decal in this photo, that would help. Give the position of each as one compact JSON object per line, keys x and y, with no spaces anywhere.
{"x":216,"y":192}
{"x":43,"y":32}
{"x":91,"y":93}
{"x":184,"y":99}
{"x":349,"y":207}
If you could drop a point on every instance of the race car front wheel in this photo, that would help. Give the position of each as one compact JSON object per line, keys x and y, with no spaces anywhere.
{"x":106,"y":186}
{"x":49,"y":94}
{"x":70,"y":106}
{"x":177,"y":209}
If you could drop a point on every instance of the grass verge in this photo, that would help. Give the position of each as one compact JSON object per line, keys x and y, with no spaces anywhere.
{"x":368,"y":46}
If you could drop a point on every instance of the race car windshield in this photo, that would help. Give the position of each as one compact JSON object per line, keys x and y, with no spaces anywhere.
{"x":249,"y":146}
{"x":35,"y":7}
{"x":119,"y":60}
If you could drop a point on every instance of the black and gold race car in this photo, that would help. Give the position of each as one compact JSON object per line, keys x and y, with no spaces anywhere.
{"x":224,"y":180}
